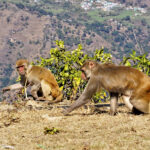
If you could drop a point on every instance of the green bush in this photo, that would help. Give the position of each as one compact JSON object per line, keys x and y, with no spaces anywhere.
{"x":65,"y":65}
{"x":140,"y":62}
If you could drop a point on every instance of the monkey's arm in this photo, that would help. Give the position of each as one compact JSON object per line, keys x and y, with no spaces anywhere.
{"x":89,"y":91}
{"x":12,"y":87}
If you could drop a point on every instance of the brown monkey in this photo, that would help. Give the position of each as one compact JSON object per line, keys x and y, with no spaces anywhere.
{"x":40,"y":79}
{"x":132,"y":84}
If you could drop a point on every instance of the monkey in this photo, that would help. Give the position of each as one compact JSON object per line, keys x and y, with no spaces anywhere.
{"x":132,"y":84}
{"x":40,"y":79}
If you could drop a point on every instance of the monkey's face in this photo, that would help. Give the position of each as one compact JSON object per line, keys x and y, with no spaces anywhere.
{"x":83,"y":75}
{"x":86,"y":73}
{"x":87,"y":69}
{"x":21,"y":66}
{"x":21,"y":70}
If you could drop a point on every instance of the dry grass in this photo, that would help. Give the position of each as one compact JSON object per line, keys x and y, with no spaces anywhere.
{"x":22,"y":128}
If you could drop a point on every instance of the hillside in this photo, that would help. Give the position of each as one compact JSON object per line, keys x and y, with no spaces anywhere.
{"x":29,"y":29}
{"x":32,"y":127}
{"x":145,"y":3}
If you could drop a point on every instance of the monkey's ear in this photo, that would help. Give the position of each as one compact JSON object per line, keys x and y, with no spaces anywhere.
{"x":91,"y":64}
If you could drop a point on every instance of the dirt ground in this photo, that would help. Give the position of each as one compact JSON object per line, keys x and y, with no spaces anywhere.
{"x":26,"y":126}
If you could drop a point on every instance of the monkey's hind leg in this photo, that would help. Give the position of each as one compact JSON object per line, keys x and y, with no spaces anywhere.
{"x":34,"y":90}
{"x":58,"y":97}
{"x":141,"y":105}
{"x":127,"y":102}
{"x":49,"y":98}
{"x":46,"y":90}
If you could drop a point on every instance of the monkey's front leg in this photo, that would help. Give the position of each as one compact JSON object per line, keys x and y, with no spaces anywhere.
{"x":34,"y":90}
{"x":113,"y":103}
{"x":85,"y":97}
{"x":75,"y":105}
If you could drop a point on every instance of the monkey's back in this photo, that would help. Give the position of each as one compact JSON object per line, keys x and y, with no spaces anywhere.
{"x":36,"y":73}
{"x":43,"y":74}
{"x":126,"y":77}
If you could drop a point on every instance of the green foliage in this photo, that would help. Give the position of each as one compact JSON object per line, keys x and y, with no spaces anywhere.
{"x":65,"y":65}
{"x":101,"y":96}
{"x":140,"y":62}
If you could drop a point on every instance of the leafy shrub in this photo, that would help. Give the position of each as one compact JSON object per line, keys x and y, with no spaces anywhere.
{"x":65,"y":65}
{"x":140,"y":62}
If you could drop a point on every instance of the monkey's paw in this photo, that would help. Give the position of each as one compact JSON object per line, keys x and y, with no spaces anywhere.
{"x":65,"y":112}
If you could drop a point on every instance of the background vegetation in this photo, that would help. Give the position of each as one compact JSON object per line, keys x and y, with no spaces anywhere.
{"x":65,"y":65}
{"x":32,"y":26}
{"x":121,"y":27}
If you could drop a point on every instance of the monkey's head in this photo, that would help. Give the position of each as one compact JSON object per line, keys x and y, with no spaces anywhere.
{"x":87,"y":69}
{"x":21,"y":66}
